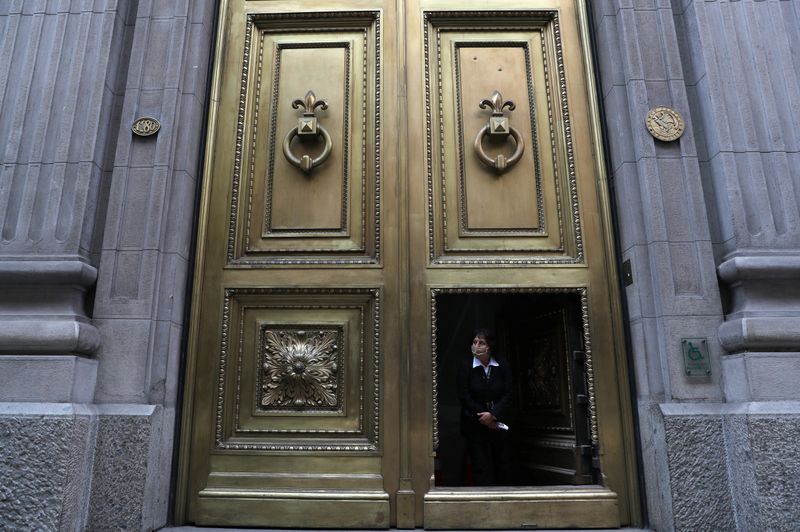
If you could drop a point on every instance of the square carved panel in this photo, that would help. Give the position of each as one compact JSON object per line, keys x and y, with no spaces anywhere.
{"x":299,"y":369}
{"x":483,"y":210}
{"x":282,"y":212}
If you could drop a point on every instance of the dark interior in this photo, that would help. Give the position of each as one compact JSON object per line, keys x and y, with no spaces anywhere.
{"x":541,"y":336}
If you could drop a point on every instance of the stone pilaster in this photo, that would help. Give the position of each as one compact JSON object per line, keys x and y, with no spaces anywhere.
{"x":59,"y":72}
{"x":95,"y":238}
{"x":139,"y":304}
{"x":744,"y":80}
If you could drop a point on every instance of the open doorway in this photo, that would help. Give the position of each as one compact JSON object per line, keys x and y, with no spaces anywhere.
{"x":541,"y":337}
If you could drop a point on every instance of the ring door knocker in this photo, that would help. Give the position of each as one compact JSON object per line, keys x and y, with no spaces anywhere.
{"x":307,"y":127}
{"x":498,"y":127}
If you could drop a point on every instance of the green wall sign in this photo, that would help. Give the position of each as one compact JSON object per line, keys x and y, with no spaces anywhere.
{"x":695,"y":357}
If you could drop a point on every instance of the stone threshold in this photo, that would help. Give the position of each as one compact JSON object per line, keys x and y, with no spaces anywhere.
{"x":213,"y":529}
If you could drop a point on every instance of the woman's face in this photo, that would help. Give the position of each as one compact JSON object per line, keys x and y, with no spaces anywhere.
{"x":479,"y":346}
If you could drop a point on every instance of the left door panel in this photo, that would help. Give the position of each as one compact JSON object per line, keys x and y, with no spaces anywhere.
{"x":295,"y":291}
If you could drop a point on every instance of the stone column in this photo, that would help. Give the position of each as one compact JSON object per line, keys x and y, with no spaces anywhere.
{"x":664,"y":233}
{"x":59,"y":110}
{"x":59,"y":73}
{"x":743,"y":77}
{"x":745,"y":84}
{"x":96,"y":228}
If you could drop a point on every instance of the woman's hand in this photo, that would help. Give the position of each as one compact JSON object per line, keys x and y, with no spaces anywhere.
{"x":487,"y":419}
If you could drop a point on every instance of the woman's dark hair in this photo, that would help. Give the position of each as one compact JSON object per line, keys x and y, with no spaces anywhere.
{"x":488,"y":335}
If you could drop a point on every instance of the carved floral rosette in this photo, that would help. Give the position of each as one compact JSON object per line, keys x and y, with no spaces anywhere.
{"x":300,"y":369}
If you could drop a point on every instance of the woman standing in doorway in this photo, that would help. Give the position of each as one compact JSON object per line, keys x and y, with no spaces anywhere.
{"x":484,"y":389}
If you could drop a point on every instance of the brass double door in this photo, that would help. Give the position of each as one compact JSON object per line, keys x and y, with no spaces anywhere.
{"x":379,"y":176}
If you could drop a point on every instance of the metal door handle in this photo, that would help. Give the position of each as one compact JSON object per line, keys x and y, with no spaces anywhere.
{"x":307,"y":127}
{"x":499,"y":127}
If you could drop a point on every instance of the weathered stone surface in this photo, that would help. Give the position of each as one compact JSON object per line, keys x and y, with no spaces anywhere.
{"x":52,"y":379}
{"x":127,"y":469}
{"x":776,"y":470}
{"x":733,"y":466}
{"x":701,"y":498}
{"x":742,"y":477}
{"x":45,"y":454}
{"x":76,"y":467}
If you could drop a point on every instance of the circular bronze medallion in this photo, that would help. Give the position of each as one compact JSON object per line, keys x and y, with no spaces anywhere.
{"x":665,"y":124}
{"x":146,"y":126}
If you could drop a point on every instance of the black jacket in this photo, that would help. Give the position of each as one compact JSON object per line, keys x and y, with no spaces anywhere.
{"x":479,"y":393}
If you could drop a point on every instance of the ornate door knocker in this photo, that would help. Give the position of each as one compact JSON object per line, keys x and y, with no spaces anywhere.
{"x":307,"y":127}
{"x":498,"y":127}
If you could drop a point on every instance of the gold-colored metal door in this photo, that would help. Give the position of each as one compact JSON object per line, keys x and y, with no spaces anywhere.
{"x":508,"y":205}
{"x":295,"y":311}
{"x":366,"y":161}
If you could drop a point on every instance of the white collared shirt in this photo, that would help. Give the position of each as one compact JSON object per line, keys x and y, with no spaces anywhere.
{"x":487,"y":367}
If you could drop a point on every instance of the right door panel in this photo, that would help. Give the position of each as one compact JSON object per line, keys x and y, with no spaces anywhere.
{"x":508,"y":204}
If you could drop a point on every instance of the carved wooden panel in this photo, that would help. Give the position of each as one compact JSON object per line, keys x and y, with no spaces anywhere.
{"x":299,"y":370}
{"x":547,"y":447}
{"x":521,"y":214}
{"x":545,"y":386}
{"x":281,"y":213}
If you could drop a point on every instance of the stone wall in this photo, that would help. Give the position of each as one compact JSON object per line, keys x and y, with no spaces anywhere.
{"x":45,"y":457}
{"x":709,"y":223}
{"x":96,"y":227}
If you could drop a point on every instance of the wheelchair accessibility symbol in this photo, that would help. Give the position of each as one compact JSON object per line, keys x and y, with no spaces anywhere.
{"x":694,"y":353}
{"x":695,"y":357}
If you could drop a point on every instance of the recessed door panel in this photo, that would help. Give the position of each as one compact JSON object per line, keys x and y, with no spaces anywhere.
{"x":481,"y":67}
{"x":299,"y":370}
{"x":484,"y":210}
{"x":320,"y":197}
{"x":309,"y":88}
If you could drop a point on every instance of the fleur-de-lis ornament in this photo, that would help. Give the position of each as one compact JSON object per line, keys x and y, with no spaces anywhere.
{"x":498,"y":126}
{"x":308,"y":123}
{"x":310,"y":102}
{"x":498,"y":123}
{"x":495,"y":101}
